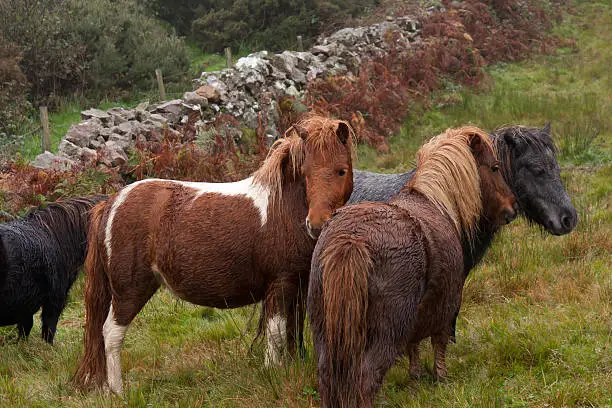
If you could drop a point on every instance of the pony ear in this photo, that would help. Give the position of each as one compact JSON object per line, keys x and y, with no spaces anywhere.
{"x":476,"y":144}
{"x":301,"y":132}
{"x":343,"y":132}
{"x":546,"y":128}
{"x":511,"y":139}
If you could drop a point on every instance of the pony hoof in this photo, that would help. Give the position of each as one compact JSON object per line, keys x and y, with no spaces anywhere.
{"x":441,"y":375}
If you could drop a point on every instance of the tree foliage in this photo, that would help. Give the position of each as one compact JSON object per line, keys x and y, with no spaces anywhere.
{"x":269,"y":24}
{"x":13,"y":88}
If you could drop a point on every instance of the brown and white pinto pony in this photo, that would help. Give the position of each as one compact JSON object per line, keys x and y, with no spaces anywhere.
{"x":386,"y":275}
{"x":223,"y":245}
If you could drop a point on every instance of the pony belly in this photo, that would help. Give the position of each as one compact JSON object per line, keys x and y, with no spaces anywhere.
{"x":221,"y":288}
{"x":17,"y":301}
{"x":12,"y":313}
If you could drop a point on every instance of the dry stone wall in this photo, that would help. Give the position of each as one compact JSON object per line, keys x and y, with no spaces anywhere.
{"x":248,"y":91}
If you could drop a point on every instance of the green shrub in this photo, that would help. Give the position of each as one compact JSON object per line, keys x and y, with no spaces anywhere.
{"x":269,"y":24}
{"x":79,"y":46}
{"x":125,"y":45}
{"x":14,"y":88}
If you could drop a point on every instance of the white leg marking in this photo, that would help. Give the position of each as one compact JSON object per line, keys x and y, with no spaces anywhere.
{"x":276,"y":334}
{"x":113,"y":340}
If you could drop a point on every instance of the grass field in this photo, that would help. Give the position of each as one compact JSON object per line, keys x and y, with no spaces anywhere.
{"x":536,"y":323}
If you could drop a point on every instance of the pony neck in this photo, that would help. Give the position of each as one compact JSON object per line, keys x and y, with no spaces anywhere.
{"x":292,"y":208}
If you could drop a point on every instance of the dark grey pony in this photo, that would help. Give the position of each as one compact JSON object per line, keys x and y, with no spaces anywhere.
{"x":40,"y":257}
{"x":530,"y":169}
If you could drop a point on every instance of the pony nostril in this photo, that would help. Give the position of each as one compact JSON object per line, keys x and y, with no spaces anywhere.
{"x":510,"y":215}
{"x":566,"y":222}
{"x":308,"y":225}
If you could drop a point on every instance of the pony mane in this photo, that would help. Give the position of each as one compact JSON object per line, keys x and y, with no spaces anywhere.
{"x":314,"y":133}
{"x":447,"y":175}
{"x":532,"y":136}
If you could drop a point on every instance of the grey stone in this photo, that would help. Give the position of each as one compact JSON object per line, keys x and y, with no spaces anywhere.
{"x":48,"y":160}
{"x":95,"y":113}
{"x":113,"y":154}
{"x":81,"y":133}
{"x":195,"y":98}
{"x":68,"y":149}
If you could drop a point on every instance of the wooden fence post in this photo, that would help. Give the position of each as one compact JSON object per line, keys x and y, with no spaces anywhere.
{"x":160,"y":84}
{"x":300,"y":43}
{"x":46,"y":133}
{"x":228,"y":57}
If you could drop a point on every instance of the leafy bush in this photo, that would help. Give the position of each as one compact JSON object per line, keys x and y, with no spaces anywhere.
{"x":14,"y":89}
{"x":273,"y":25}
{"x":71,"y":46}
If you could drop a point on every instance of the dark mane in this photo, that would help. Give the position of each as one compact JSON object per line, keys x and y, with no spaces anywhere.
{"x":536,"y":139}
{"x":65,"y":220}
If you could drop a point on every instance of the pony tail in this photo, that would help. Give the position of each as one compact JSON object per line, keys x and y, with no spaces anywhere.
{"x":92,"y":367}
{"x":346,"y":264}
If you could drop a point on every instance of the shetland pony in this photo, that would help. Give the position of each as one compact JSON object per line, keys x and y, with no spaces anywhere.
{"x":224,"y":245}
{"x":529,"y":167}
{"x":385,"y":275}
{"x":40,"y":257}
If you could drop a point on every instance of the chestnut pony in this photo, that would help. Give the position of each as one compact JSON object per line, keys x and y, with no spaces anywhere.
{"x":386,"y":275}
{"x":224,"y":245}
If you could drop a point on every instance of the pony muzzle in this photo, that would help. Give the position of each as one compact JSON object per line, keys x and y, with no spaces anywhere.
{"x":314,"y":228}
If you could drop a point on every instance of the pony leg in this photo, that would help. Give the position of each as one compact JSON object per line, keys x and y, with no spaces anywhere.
{"x":439,"y":343}
{"x":25,"y":326}
{"x":280,"y":312}
{"x":119,"y":317}
{"x":413,"y":356}
{"x":378,"y":359}
{"x":301,"y":319}
{"x":50,"y":315}
{"x":276,"y":336}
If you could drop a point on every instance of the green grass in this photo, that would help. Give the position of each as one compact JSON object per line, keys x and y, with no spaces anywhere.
{"x":202,"y":61}
{"x":536,"y":323}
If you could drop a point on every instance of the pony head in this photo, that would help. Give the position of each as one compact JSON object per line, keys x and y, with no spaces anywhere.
{"x":531,"y":169}
{"x":498,"y":202}
{"x":327,"y":168}
{"x":319,"y":151}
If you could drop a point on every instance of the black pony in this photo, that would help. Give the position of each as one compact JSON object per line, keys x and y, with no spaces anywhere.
{"x":40,"y":256}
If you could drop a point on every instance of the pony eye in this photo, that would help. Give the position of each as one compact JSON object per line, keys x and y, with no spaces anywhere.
{"x":342,"y":172}
{"x":495,"y":168}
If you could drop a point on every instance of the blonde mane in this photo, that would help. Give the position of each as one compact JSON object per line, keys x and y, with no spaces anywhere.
{"x":447,"y":175}
{"x":314,"y":133}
